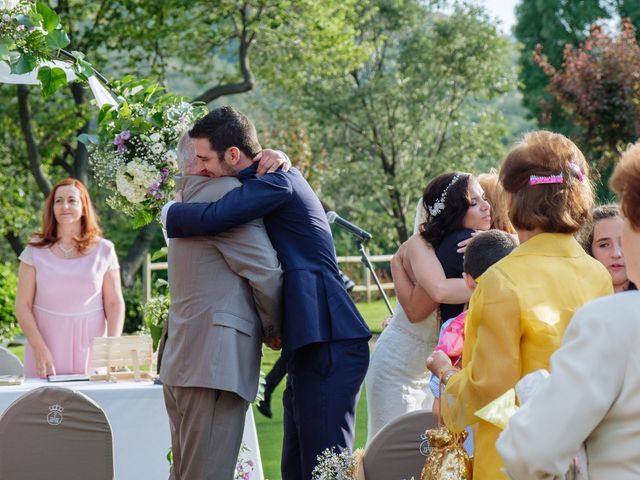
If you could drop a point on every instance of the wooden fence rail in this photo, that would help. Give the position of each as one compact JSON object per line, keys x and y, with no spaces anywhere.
{"x":368,"y":287}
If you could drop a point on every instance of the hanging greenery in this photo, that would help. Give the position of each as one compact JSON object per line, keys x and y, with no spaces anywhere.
{"x":31,"y":37}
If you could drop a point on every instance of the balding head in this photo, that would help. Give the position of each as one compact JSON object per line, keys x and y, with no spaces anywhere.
{"x":187,"y":161}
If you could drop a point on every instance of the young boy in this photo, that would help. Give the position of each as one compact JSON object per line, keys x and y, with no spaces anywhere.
{"x":482,"y":252}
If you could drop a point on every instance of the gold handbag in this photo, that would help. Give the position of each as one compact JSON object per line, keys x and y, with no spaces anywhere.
{"x":448,"y":459}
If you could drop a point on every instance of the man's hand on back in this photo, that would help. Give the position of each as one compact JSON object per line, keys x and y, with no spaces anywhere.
{"x":274,"y":343}
{"x":271,"y":160}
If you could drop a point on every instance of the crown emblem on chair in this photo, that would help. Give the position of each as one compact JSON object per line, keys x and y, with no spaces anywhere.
{"x":55,"y":414}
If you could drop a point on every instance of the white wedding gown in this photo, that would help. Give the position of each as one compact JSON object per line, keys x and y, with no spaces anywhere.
{"x":397,"y":381}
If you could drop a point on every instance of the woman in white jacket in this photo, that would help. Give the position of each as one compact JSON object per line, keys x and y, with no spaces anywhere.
{"x":593,"y":394}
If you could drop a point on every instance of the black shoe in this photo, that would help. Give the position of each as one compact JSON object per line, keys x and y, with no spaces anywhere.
{"x":265,"y":409}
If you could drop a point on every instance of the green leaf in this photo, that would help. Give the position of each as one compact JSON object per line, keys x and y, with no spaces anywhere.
{"x":35,"y":19}
{"x":105,"y":113}
{"x":125,"y":111}
{"x":89,"y":139}
{"x":5,"y":47}
{"x":160,"y":253}
{"x":50,"y":19}
{"x":83,"y":69}
{"x":51,"y":79}
{"x":24,"y":64}
{"x":57,"y":40}
{"x":142,"y":218}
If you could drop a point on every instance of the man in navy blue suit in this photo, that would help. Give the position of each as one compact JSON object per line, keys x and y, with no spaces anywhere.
{"x":324,"y":338}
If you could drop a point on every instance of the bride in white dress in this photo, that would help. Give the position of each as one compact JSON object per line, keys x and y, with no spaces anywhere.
{"x":397,"y":381}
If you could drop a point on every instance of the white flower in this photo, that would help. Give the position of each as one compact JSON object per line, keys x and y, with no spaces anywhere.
{"x":134,"y":180}
{"x":128,"y":190}
{"x":157,"y":148}
{"x":8,"y":4}
{"x":154,"y":137}
{"x":171,"y":157}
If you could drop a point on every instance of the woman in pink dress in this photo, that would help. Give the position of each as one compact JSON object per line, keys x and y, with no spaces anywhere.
{"x":68,"y":286}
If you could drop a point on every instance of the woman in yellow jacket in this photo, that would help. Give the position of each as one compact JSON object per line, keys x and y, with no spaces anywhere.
{"x":522,"y":305}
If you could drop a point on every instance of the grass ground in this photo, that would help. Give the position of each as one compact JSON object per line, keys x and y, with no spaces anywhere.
{"x":270,"y":430}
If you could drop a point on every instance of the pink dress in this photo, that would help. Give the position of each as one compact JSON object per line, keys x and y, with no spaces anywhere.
{"x":68,"y":305}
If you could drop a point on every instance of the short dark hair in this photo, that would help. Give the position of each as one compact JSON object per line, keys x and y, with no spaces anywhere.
{"x":485,"y":249}
{"x":226,"y":127}
{"x":455,"y":205}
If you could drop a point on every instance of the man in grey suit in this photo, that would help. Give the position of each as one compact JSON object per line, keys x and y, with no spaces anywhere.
{"x":226,"y":298}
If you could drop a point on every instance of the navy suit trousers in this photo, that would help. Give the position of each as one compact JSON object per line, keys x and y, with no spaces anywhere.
{"x":320,"y":401}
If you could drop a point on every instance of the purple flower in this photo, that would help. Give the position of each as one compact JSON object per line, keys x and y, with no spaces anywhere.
{"x":6,"y":17}
{"x":164,"y":174}
{"x":125,"y":135}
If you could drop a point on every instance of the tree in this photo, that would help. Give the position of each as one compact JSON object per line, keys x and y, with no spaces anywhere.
{"x":416,"y":107}
{"x":598,"y":86}
{"x":216,"y":47}
{"x":552,"y":24}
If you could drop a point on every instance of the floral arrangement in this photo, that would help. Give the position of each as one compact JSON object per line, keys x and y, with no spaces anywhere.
{"x":337,"y":466}
{"x":244,"y":467}
{"x":156,"y":312}
{"x":134,"y":153}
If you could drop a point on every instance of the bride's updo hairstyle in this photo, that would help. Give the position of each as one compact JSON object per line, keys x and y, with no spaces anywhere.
{"x":547,"y":179}
{"x":445,"y":201}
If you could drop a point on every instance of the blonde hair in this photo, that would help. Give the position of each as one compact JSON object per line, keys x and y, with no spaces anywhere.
{"x":490,"y":183}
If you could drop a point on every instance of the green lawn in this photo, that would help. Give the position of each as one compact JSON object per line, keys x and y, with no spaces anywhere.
{"x":270,"y":430}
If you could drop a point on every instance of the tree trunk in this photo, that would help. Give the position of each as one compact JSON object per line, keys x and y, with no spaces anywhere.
{"x":399,"y":215}
{"x":80,"y":155}
{"x":15,"y":242}
{"x":35,"y":161}
{"x":137,"y":252}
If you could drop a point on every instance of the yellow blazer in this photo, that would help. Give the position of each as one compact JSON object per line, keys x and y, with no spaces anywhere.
{"x":517,"y":317}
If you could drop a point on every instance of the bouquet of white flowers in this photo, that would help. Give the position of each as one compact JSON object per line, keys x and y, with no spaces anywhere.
{"x":134,"y":153}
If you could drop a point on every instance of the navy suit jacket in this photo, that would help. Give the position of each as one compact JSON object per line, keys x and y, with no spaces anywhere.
{"x":317,"y":307}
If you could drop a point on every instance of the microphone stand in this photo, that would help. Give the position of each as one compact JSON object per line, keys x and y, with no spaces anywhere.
{"x":367,"y":263}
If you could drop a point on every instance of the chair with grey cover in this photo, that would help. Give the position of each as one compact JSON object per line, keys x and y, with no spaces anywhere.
{"x":9,"y":363}
{"x":398,"y":450}
{"x":54,"y":432}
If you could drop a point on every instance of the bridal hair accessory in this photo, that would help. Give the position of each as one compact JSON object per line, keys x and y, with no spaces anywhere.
{"x":438,"y":206}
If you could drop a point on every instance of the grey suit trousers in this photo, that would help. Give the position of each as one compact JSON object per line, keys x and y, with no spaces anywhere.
{"x":206,"y":432}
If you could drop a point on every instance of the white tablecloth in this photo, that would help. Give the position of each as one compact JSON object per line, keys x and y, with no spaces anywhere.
{"x":139,"y":425}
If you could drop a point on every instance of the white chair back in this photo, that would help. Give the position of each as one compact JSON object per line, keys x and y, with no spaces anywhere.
{"x":398,"y":450}
{"x":54,"y":432}
{"x":9,"y":363}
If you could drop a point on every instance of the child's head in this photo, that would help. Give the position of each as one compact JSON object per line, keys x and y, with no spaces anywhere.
{"x":484,"y":250}
{"x":546,"y":179}
{"x":452,"y":201}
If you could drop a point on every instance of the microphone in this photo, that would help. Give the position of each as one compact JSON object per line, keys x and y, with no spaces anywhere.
{"x":362,"y":235}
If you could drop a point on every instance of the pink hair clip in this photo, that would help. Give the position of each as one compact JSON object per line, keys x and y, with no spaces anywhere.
{"x":576,"y":169}
{"x":541,"y":180}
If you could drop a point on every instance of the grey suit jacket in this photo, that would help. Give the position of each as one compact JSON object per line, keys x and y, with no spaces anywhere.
{"x":226,"y":295}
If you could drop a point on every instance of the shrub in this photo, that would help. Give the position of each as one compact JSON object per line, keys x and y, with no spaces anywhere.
{"x":9,"y":327}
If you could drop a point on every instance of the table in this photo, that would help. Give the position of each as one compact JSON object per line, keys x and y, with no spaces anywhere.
{"x":139,"y":425}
